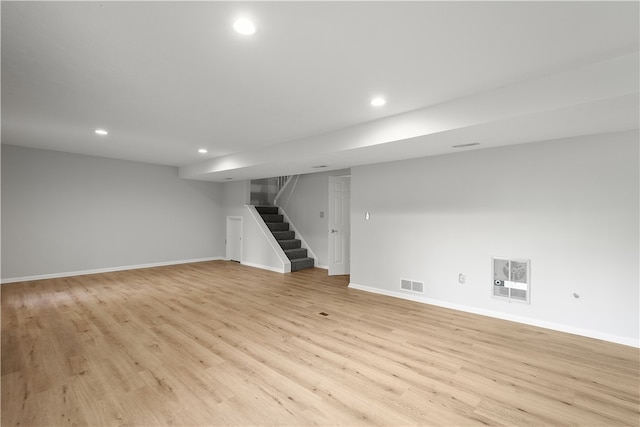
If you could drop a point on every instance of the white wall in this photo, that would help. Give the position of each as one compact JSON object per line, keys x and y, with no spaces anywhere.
{"x":303,"y":206}
{"x":571,"y":206}
{"x":64,"y":213}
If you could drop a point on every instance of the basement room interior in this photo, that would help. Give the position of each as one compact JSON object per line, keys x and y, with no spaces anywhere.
{"x":373,"y":213}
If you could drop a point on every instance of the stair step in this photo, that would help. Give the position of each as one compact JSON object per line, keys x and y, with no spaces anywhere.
{"x":286,"y":238}
{"x":267,"y":209}
{"x":301,"y":263}
{"x":296,"y":253}
{"x":289,"y":243}
{"x":272,"y":218}
{"x":278,"y":226}
{"x":284,"y":235}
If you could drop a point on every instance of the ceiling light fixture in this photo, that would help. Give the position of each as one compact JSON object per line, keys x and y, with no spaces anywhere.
{"x":244,"y":27}
{"x":101,"y":132}
{"x":202,"y":151}
{"x":378,"y":101}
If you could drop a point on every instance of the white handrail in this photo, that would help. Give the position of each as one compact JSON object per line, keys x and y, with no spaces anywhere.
{"x":281,"y":191}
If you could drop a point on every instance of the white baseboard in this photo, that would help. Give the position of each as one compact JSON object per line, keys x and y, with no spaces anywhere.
{"x":632,"y":342}
{"x":264,"y":267}
{"x":105,"y":270}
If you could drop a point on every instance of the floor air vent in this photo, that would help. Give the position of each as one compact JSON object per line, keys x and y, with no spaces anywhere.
{"x":410,"y":285}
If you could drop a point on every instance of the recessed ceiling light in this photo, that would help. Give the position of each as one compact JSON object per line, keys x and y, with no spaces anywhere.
{"x":244,"y":27}
{"x":378,"y":101}
{"x":202,"y":151}
{"x":101,"y":132}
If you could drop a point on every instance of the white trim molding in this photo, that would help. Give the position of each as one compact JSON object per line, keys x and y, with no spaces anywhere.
{"x":265,"y":267}
{"x":105,"y":270}
{"x":497,"y":315}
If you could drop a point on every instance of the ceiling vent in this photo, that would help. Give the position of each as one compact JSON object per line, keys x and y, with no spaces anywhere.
{"x":465,"y":145}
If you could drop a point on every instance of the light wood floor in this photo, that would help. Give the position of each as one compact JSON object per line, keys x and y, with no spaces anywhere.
{"x":217,"y":343}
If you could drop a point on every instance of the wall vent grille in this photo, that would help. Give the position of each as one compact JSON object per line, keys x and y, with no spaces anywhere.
{"x":511,"y":279}
{"x":411,"y":285}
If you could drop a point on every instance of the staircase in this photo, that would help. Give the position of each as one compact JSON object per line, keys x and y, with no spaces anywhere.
{"x":291,"y":246}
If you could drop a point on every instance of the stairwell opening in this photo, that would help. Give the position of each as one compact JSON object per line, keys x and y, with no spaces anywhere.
{"x":264,"y":191}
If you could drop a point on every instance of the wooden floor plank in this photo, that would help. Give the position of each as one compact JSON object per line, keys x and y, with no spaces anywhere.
{"x":217,"y":343}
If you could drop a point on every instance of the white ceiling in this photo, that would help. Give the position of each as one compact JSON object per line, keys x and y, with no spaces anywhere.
{"x":168,"y":78}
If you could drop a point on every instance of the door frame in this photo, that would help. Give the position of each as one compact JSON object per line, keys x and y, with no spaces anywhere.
{"x":346,"y":267}
{"x":227,"y":237}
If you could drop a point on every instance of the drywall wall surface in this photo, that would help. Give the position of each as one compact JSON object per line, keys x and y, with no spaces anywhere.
{"x":570,"y":206}
{"x":235,"y":195}
{"x":256,"y":250}
{"x":303,"y":205}
{"x":65,"y":213}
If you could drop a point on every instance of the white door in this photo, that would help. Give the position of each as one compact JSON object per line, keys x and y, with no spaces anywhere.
{"x":339,"y":224}
{"x":234,"y":238}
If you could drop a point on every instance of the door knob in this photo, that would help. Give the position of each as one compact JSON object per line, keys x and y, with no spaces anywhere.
{"x":334,"y":231}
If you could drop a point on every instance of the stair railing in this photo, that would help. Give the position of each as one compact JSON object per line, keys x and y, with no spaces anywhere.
{"x":287,"y":181}
{"x":281,"y":181}
{"x":265,"y":190}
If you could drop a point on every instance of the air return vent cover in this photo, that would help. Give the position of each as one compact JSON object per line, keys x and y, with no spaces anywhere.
{"x":410,"y":285}
{"x":511,"y":279}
